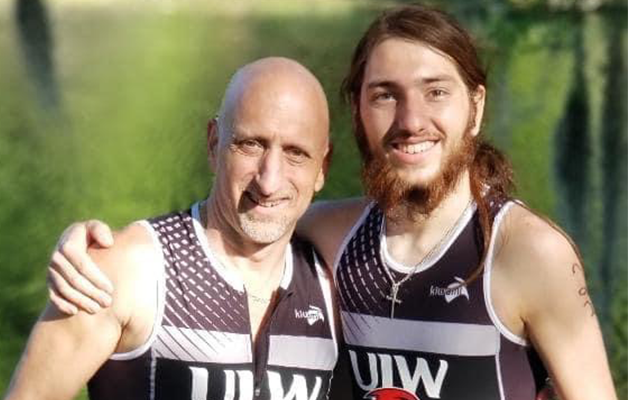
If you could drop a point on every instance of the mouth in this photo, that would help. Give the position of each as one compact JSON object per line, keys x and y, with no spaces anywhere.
{"x":414,"y":148}
{"x":256,"y":199}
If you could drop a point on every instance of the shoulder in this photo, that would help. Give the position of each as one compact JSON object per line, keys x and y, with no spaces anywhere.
{"x":535,"y":261}
{"x":344,"y":211}
{"x":130,"y":265}
{"x":326,"y":223}
{"x":526,"y":236}
{"x":133,"y":245}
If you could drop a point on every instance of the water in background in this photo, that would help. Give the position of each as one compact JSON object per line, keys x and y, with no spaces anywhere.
{"x":103,"y":109}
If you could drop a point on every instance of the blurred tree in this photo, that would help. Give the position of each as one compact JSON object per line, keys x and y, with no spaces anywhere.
{"x":612,"y":268}
{"x":37,"y":45}
{"x":573,"y":138}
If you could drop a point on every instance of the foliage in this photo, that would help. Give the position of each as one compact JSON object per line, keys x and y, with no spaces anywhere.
{"x":128,"y":138}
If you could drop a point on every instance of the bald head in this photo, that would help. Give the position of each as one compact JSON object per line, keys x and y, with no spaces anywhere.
{"x":269,"y":150}
{"x":275,"y":83}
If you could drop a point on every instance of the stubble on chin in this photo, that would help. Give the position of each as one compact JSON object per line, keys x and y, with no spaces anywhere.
{"x":263,"y":230}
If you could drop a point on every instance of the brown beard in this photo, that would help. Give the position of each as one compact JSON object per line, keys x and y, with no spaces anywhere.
{"x":400,"y":199}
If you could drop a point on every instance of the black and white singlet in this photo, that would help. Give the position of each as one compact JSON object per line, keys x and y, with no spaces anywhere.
{"x":201,"y":347}
{"x":445,"y":340}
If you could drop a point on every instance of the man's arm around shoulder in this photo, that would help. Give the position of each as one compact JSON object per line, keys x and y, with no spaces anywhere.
{"x":63,"y":352}
{"x":544,"y":279}
{"x":326,"y":223}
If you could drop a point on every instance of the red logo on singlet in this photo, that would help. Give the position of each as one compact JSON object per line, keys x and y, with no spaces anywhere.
{"x":390,"y":394}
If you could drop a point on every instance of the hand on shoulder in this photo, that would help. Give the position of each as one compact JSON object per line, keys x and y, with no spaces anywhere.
{"x":131,"y":264}
{"x":75,"y":282}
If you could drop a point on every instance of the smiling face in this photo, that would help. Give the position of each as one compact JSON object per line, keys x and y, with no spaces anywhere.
{"x":269,"y":152}
{"x":418,"y":118}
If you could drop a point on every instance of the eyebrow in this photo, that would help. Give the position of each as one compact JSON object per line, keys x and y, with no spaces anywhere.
{"x":424,"y":81}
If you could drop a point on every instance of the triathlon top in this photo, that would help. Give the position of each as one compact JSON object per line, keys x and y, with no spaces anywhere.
{"x":444,"y":340}
{"x":201,"y":346}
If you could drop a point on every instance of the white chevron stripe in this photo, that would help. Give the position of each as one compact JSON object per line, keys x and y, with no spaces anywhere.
{"x":302,"y":352}
{"x":433,"y":337}
{"x":203,"y":346}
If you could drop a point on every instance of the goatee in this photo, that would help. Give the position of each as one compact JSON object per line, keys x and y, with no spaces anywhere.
{"x":401,"y":199}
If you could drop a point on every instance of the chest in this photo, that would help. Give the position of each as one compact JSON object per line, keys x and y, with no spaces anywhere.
{"x":233,"y":347}
{"x":372,"y":283}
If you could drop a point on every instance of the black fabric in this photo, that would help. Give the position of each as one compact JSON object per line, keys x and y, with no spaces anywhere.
{"x":203,"y":310}
{"x":442,"y":342}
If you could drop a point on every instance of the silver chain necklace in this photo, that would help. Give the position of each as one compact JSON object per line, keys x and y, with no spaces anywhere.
{"x":396,"y":285}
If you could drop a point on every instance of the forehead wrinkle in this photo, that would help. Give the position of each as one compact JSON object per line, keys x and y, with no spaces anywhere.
{"x":289,"y":84}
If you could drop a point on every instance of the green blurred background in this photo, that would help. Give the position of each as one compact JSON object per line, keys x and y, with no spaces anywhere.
{"x":103,"y":108}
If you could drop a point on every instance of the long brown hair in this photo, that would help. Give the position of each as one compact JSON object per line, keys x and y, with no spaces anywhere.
{"x":490,"y":172}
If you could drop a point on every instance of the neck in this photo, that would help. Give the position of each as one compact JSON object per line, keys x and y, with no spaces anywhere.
{"x":409,"y":241}
{"x":235,"y":251}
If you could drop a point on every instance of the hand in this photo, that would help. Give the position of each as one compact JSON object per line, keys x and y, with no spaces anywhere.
{"x":74,"y":281}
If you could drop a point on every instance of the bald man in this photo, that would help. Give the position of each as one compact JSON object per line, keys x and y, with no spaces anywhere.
{"x":218,"y":301}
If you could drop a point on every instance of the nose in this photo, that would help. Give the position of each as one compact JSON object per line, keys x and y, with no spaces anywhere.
{"x":410,"y":115}
{"x":270,"y":173}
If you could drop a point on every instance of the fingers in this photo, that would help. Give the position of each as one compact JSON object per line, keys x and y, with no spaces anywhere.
{"x":64,"y":295}
{"x":74,"y":280}
{"x":99,"y":232}
{"x":81,"y":272}
{"x":60,"y":303}
{"x":73,"y":247}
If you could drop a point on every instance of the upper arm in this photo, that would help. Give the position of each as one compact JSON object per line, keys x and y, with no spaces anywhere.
{"x":326,"y":223}
{"x":547,"y":283}
{"x":63,"y":352}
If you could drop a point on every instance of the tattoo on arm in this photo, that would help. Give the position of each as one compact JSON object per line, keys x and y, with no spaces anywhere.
{"x":583,"y":292}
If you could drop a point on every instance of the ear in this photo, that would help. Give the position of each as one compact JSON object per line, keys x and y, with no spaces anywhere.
{"x":478,"y":100}
{"x":212,"y":142}
{"x":322,"y":173}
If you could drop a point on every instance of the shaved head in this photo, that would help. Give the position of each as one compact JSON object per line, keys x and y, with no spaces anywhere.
{"x":267,"y":81}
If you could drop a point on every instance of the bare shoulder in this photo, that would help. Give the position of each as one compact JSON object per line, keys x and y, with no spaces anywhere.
{"x":536,"y":262}
{"x":529,"y":239}
{"x":132,"y":245}
{"x":326,"y":223}
{"x":130,"y":265}
{"x":324,"y":213}
{"x":541,"y":290}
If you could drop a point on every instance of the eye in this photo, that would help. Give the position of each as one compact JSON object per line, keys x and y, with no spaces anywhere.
{"x":296,"y":155}
{"x":437,"y":94}
{"x":382,"y":96}
{"x":249,"y":146}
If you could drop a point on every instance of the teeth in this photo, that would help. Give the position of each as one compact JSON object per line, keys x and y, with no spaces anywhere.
{"x":263,"y":203}
{"x":416,"y":148}
{"x":267,"y":204}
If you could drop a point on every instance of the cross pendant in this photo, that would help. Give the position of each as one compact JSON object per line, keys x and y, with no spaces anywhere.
{"x":392,"y":297}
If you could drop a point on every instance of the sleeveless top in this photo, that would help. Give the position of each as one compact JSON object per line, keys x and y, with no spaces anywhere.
{"x":445,"y":340}
{"x":201,"y":346}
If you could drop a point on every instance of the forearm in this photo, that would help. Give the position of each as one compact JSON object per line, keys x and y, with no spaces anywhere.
{"x":61,"y":355}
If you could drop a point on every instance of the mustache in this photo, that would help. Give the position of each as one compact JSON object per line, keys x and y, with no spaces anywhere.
{"x":394,"y":134}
